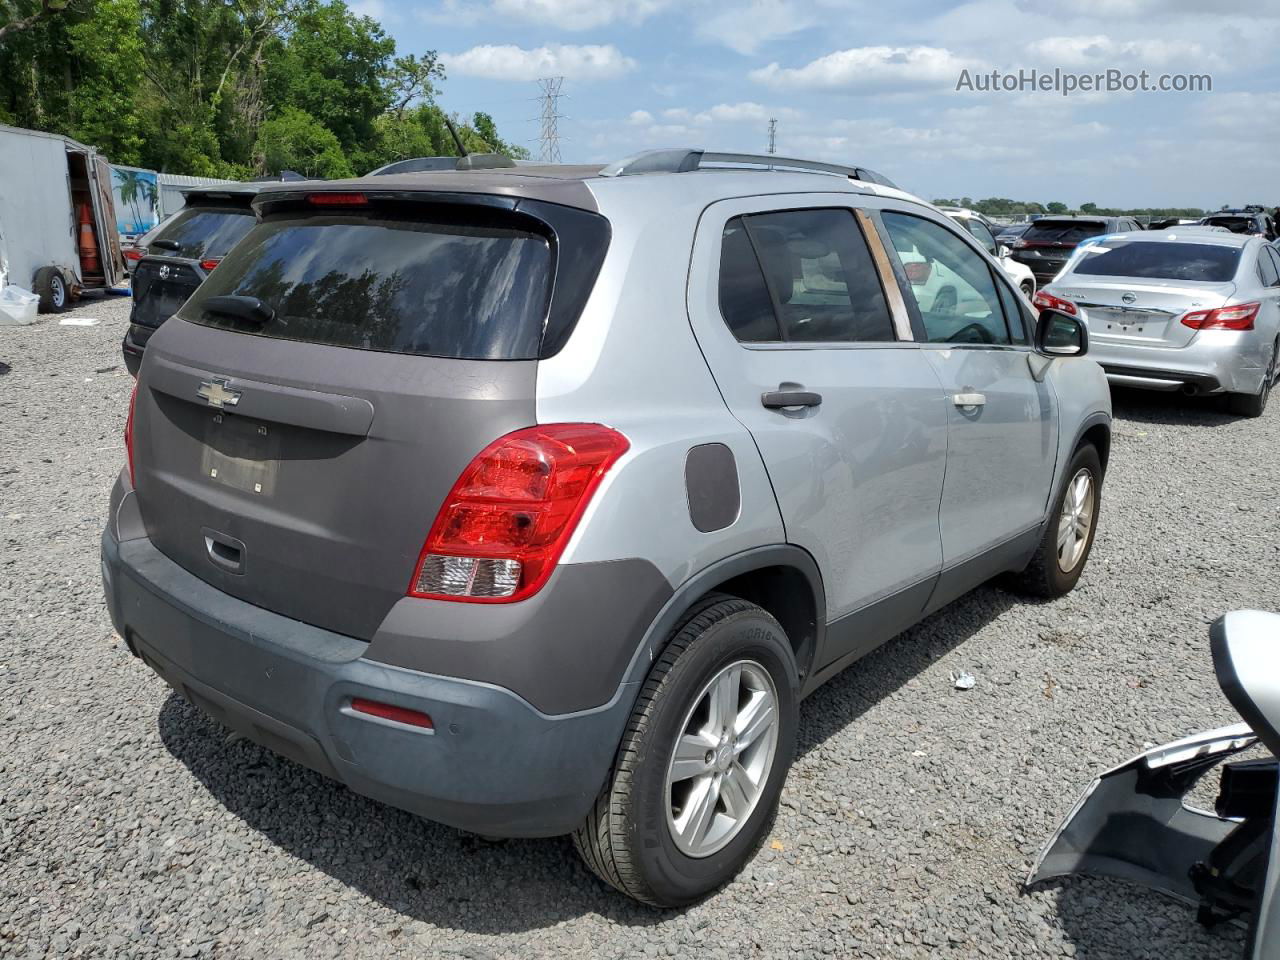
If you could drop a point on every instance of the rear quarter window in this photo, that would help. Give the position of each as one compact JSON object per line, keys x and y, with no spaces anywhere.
{"x":1159,"y":260}
{"x":443,"y":287}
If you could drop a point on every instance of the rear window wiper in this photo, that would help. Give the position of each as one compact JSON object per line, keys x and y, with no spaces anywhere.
{"x":248,"y":309}
{"x":173,"y":245}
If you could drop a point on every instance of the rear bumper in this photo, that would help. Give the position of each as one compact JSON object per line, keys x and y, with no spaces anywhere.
{"x":1214,"y":361}
{"x":134,"y":343}
{"x":493,"y":764}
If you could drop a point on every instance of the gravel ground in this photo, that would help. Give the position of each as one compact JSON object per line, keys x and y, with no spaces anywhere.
{"x":128,"y":827}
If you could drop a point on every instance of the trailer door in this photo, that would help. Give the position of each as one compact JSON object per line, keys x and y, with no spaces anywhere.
{"x":104,"y":218}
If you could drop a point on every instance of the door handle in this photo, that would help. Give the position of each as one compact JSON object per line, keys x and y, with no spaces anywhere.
{"x":969,"y":399}
{"x":784,"y":399}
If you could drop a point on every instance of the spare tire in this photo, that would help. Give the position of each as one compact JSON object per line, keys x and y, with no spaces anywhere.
{"x":52,"y":289}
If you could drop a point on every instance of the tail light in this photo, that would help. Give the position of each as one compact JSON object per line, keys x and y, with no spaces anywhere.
{"x":508,"y":518}
{"x":133,"y":256}
{"x":1047,"y":301}
{"x":1237,"y":317}
{"x":210,"y":264}
{"x":1019,"y":244}
{"x":128,"y":430}
{"x":918,"y":271}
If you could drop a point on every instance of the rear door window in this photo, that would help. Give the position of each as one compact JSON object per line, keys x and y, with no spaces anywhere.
{"x":1063,"y":231}
{"x":816,"y":271}
{"x":203,"y":233}
{"x":1267,"y":268}
{"x":1159,"y":260}
{"x":445,"y":287}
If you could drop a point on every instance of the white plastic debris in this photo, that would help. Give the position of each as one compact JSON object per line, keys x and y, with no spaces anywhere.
{"x":79,"y":322}
{"x":964,"y":680}
{"x":17,"y":306}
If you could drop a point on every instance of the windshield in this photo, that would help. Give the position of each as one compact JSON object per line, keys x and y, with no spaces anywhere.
{"x":1063,"y":231}
{"x":450,"y":288}
{"x":1147,"y":259}
{"x":1234,"y":224}
{"x":202,"y":232}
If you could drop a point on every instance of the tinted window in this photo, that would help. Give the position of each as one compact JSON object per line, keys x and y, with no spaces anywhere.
{"x":1275,"y":257}
{"x":444,"y":289}
{"x":1159,"y":260}
{"x":952,"y":284}
{"x":819,"y":273}
{"x":744,"y":298}
{"x":1017,"y":312}
{"x":1063,"y":231}
{"x":1267,"y":268}
{"x":202,"y":232}
{"x":1234,"y":224}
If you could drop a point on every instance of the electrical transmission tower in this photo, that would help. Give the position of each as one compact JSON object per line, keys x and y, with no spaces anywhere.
{"x":550,"y":135}
{"x":773,"y":135}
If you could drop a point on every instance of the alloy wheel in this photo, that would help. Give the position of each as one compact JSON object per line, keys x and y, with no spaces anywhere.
{"x":722,"y":759}
{"x":1076,"y":520}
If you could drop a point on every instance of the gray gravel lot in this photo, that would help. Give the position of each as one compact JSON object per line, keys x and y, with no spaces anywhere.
{"x":129,"y":828}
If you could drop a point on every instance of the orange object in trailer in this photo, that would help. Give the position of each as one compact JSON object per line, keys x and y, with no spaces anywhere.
{"x":88,"y":241}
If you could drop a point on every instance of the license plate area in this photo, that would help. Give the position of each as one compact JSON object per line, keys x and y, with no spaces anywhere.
{"x":240,"y":453}
{"x":1133,"y":323}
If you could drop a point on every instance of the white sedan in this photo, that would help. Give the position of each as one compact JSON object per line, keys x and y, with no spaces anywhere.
{"x":978,"y":225}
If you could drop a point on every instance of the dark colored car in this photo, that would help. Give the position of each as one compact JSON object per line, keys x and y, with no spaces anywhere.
{"x":1007,"y":235}
{"x":1250,"y":222}
{"x":177,"y":257}
{"x":1047,"y":243}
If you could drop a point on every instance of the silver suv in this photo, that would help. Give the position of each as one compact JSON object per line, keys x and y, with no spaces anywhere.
{"x":534,"y":500}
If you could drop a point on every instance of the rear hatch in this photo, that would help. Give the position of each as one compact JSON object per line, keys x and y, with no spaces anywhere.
{"x":180,"y":255}
{"x":1047,"y":244}
{"x":1136,"y":291}
{"x":295,"y":454}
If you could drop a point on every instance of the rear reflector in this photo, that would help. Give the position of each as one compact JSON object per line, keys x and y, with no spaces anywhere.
{"x":501,"y":530}
{"x":387,"y":711}
{"x":1237,"y":317}
{"x":337,"y":199}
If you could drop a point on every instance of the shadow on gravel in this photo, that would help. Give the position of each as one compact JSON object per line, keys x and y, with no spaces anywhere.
{"x":420,"y":869}
{"x":1149,"y":406}
{"x":456,"y":880}
{"x":844,"y":698}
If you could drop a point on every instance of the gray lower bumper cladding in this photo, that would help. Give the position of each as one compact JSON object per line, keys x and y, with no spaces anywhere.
{"x":1133,"y":823}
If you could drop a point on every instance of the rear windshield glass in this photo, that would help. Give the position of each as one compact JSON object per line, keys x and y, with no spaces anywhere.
{"x":1210,"y":263}
{"x":1234,"y":224}
{"x":1063,"y":231}
{"x":203,"y":232}
{"x":441,"y":289}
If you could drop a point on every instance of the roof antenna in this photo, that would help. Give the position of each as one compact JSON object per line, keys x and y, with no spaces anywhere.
{"x":462,"y":151}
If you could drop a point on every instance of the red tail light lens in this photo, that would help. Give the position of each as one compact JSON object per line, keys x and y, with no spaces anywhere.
{"x":210,"y":264}
{"x":128,"y":430}
{"x":918,"y":271}
{"x":133,"y":255}
{"x":337,"y":199}
{"x":1237,"y":317}
{"x":1047,"y":301}
{"x":501,"y":530}
{"x":389,"y":711}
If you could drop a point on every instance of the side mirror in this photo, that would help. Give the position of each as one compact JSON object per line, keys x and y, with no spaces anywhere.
{"x":1003,"y":251}
{"x":1059,"y":334}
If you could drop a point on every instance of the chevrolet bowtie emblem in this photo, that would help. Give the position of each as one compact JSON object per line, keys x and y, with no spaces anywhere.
{"x":216,"y":392}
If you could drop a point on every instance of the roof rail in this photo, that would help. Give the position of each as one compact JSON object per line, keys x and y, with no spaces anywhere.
{"x":686,"y":159}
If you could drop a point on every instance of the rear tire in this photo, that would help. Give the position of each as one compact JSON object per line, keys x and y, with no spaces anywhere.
{"x":631,"y":839}
{"x":1254,"y":404}
{"x":52,"y":289}
{"x":1056,"y":567}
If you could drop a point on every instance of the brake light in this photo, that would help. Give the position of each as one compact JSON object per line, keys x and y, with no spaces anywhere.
{"x":337,"y":199}
{"x":134,"y":255}
{"x":1237,"y":317}
{"x":918,"y":271}
{"x":389,"y":711}
{"x":128,"y":430}
{"x":1020,"y":243}
{"x":1047,"y":301}
{"x":501,"y":530}
{"x":210,"y":264}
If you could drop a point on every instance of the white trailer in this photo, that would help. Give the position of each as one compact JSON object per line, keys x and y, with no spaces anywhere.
{"x":45,"y":181}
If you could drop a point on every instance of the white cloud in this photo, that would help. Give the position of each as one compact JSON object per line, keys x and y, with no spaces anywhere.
{"x":1103,"y":51}
{"x":640,"y":118}
{"x":509,"y":62}
{"x":745,"y":27}
{"x":562,"y":14}
{"x":872,"y":69}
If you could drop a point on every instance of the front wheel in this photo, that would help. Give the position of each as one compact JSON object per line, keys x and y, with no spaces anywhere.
{"x":1068,"y":535}
{"x":702,"y":762}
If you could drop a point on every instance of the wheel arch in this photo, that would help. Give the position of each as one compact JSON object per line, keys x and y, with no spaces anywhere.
{"x":1096,"y":430}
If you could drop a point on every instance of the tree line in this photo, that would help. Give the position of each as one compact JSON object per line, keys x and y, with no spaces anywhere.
{"x":1001,"y":207}
{"x":227,"y":88}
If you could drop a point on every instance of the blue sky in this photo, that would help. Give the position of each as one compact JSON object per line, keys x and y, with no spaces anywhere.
{"x":874,"y":84}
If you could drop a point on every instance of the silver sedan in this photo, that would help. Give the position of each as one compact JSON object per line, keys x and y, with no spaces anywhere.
{"x":1184,"y":309}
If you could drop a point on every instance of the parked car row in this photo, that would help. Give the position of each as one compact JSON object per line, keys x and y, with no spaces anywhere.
{"x":534,"y":499}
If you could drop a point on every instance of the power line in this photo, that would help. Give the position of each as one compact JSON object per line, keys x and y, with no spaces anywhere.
{"x":550,"y":134}
{"x":773,"y":135}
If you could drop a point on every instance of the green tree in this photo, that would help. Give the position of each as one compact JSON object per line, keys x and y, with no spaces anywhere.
{"x":1056,"y":207}
{"x":295,"y":140}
